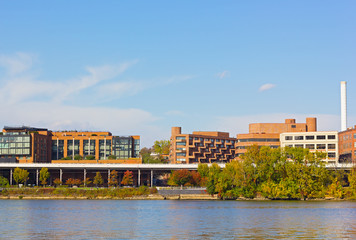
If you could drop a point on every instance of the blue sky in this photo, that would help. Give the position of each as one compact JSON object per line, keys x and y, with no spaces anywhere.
{"x":140,"y":67}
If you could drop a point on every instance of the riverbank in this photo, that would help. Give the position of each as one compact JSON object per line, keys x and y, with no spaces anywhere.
{"x":141,"y":193}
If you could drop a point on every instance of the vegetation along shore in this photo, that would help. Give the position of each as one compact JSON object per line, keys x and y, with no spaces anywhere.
{"x":262,"y":174}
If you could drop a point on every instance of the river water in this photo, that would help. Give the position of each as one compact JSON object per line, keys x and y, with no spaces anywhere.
{"x":120,"y":219}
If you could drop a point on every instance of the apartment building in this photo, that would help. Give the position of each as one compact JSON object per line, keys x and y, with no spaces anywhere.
{"x":201,"y":147}
{"x":347,"y":145}
{"x":25,"y":145}
{"x":268,"y":134}
{"x":314,"y":141}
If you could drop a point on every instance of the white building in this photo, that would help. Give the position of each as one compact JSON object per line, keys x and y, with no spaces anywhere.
{"x":315,"y":141}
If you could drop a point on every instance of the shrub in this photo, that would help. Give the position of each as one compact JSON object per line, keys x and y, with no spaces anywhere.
{"x":90,"y":157}
{"x":4,"y":182}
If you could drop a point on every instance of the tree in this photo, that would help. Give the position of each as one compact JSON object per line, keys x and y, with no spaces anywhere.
{"x":203,"y":170}
{"x":180,"y":177}
{"x":20,"y":175}
{"x":98,"y":179}
{"x":213,"y":178}
{"x":113,"y":178}
{"x":146,"y":156}
{"x":4,"y":182}
{"x":162,"y":147}
{"x":73,"y":182}
{"x":44,"y":175}
{"x":87,"y":182}
{"x":57,"y":182}
{"x":127,"y":179}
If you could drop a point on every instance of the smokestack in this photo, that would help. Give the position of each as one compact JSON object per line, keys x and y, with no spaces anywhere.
{"x":343,"y":107}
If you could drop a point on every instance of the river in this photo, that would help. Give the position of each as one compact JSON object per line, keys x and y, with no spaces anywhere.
{"x":131,"y":219}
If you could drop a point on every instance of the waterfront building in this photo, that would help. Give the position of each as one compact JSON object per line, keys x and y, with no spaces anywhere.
{"x":268,"y":134}
{"x":201,"y":147}
{"x":347,"y":145}
{"x":25,"y":145}
{"x":314,"y":141}
{"x":89,"y":147}
{"x":39,"y":145}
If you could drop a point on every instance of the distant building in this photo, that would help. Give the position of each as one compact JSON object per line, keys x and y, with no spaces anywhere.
{"x":39,"y":145}
{"x":268,"y":134}
{"x":201,"y":147}
{"x":347,"y":145}
{"x":25,"y":145}
{"x":314,"y":141}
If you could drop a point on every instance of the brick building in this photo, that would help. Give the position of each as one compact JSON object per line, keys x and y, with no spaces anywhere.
{"x":201,"y":147}
{"x":268,"y":134}
{"x":347,"y":145}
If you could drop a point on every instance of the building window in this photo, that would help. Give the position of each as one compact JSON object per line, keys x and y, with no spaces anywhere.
{"x":310,"y":146}
{"x":331,"y":155}
{"x":320,"y":146}
{"x":181,"y":154}
{"x":298,"y":137}
{"x":181,"y":143}
{"x":180,"y":138}
{"x":321,"y":137}
{"x":289,"y":138}
{"x":331,"y":137}
{"x":309,"y":137}
{"x":294,"y":126}
{"x":299,"y":145}
{"x":331,"y":146}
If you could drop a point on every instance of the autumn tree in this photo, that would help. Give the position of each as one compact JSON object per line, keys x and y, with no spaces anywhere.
{"x":127,"y":180}
{"x":98,"y":179}
{"x":44,"y":175}
{"x":179,"y":177}
{"x":113,"y":178}
{"x":20,"y":175}
{"x":57,"y":182}
{"x":203,"y":170}
{"x":162,"y":147}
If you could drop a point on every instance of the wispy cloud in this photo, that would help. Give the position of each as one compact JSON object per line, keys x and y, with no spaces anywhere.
{"x":266,"y":87}
{"x":17,"y":63}
{"x":223,"y":74}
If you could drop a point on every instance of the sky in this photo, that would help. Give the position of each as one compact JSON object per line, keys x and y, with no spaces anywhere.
{"x":141,"y":67}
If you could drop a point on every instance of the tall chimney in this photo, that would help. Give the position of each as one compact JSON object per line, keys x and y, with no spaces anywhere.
{"x":343,"y":107}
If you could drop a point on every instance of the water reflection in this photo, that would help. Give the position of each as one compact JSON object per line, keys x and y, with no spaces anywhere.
{"x":88,"y":219}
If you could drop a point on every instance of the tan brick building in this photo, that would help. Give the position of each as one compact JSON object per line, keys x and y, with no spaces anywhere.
{"x":201,"y":147}
{"x":268,"y":134}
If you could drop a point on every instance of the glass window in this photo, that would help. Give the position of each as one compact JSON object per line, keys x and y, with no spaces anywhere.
{"x":331,"y":155}
{"x":180,"y":138}
{"x":294,"y":126}
{"x":309,"y":137}
{"x":321,"y":137}
{"x":320,"y":146}
{"x":299,"y":145}
{"x":331,"y":137}
{"x":310,"y":146}
{"x":298,"y":137}
{"x":289,"y":138}
{"x":331,"y":146}
{"x":181,"y":154}
{"x":181,"y":143}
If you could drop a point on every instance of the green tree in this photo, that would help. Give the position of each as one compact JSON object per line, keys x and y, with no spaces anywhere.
{"x":127,"y":180}
{"x":213,"y":178}
{"x":352,"y":181}
{"x":203,"y":170}
{"x":4,"y":182}
{"x":20,"y":175}
{"x":162,"y":147}
{"x":113,"y":178}
{"x":44,"y":175}
{"x":98,"y":179}
{"x":147,"y":158}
